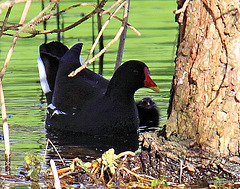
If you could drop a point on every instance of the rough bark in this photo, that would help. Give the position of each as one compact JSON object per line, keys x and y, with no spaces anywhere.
{"x":205,"y":96}
{"x":184,"y":162}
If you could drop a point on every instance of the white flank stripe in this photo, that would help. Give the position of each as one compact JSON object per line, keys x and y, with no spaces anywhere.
{"x":51,"y":106}
{"x":58,"y":112}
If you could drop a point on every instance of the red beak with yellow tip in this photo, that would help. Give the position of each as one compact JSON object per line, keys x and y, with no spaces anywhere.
{"x":148,"y":82}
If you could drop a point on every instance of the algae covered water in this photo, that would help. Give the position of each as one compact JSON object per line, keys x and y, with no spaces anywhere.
{"x":25,"y":101}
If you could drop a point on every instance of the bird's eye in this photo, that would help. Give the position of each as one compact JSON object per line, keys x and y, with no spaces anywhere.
{"x":136,"y":72}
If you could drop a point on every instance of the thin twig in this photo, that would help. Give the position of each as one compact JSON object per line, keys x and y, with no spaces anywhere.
{"x":101,"y":31}
{"x":34,"y":32}
{"x":51,"y":15}
{"x":111,"y":7}
{"x":75,"y":72}
{"x":123,"y":36}
{"x":36,"y":20}
{"x":48,"y":140}
{"x":129,"y":25}
{"x":8,"y":4}
{"x":82,"y":165}
{"x":74,"y":6}
{"x":87,"y":62}
{"x":40,"y":18}
{"x":10,"y":52}
{"x":118,"y":167}
{"x":98,"y":9}
{"x":5,"y":21}
{"x":125,"y":153}
{"x":3,"y":105}
{"x":141,"y":177}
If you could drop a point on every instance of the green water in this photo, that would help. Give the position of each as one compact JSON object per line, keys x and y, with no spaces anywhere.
{"x":23,"y":95}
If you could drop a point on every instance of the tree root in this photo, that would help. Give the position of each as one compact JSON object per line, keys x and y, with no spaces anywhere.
{"x":185,"y":161}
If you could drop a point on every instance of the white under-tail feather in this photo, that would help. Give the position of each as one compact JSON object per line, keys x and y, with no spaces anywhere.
{"x":81,"y":60}
{"x":43,"y":76}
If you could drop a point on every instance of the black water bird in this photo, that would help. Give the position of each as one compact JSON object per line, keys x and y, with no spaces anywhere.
{"x":148,"y":112}
{"x":88,"y":103}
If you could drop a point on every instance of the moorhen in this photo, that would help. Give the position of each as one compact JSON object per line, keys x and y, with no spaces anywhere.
{"x":88,"y":103}
{"x":48,"y":62}
{"x":148,"y":112}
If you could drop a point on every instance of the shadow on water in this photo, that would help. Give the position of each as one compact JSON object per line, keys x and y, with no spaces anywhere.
{"x":86,"y":147}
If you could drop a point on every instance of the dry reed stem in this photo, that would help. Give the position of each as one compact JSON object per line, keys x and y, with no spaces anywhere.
{"x":8,"y":58}
{"x":10,"y":52}
{"x":8,"y":4}
{"x":3,"y":105}
{"x":82,"y":165}
{"x":34,"y":32}
{"x":97,"y":171}
{"x":20,"y":27}
{"x":111,"y":7}
{"x":38,"y":19}
{"x":11,"y":177}
{"x":75,"y":72}
{"x":5,"y":130}
{"x":119,"y":33}
{"x":26,"y":8}
{"x":5,"y":21}
{"x":57,"y":184}
{"x":68,"y":174}
{"x":129,"y":25}
{"x":123,"y":36}
{"x":102,"y":30}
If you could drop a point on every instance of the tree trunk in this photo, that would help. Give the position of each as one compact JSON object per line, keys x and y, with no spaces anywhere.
{"x":205,"y":95}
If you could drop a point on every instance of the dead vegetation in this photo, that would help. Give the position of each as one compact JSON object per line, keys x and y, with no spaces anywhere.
{"x":26,"y":30}
{"x":110,"y":170}
{"x":159,"y":164}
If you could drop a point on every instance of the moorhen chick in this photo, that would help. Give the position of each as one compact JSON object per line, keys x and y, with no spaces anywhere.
{"x":88,"y":103}
{"x":148,"y":112}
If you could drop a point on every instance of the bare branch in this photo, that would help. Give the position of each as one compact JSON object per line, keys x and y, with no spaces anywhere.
{"x":3,"y":105}
{"x":9,"y":4}
{"x":111,"y":7}
{"x":72,"y":74}
{"x":103,"y":28}
{"x":123,"y":35}
{"x":5,"y":21}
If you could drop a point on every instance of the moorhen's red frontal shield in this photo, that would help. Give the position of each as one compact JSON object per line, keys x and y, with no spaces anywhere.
{"x":148,"y":82}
